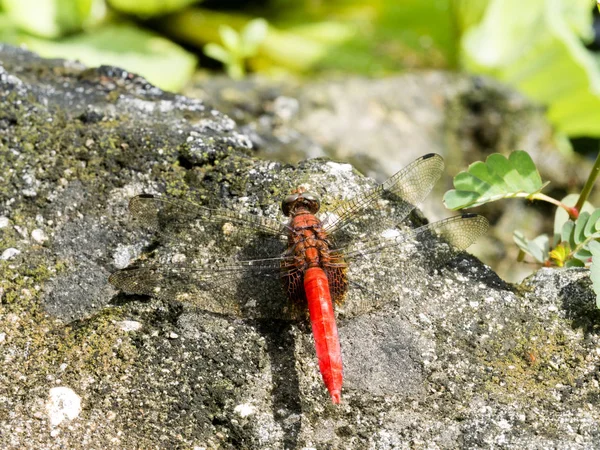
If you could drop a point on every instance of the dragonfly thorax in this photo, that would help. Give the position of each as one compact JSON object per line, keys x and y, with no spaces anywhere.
{"x":300,"y":202}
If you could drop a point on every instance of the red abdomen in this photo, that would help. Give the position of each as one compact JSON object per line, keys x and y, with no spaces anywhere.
{"x":324,"y":330}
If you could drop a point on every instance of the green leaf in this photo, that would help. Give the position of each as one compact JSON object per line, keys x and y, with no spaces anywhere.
{"x":252,"y":36}
{"x":594,"y":247}
{"x":574,"y":263}
{"x":230,"y":38}
{"x":580,"y":225}
{"x":54,"y":18}
{"x":592,"y":224}
{"x":580,"y":234}
{"x":567,"y":232}
{"x":538,"y":47}
{"x":538,"y":247}
{"x":495,"y":179}
{"x":217,"y":52}
{"x":149,"y":8}
{"x":160,"y":61}
{"x":561,"y":216}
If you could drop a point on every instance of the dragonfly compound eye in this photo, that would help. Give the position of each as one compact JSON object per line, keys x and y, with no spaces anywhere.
{"x":312,"y":202}
{"x":286,"y":204}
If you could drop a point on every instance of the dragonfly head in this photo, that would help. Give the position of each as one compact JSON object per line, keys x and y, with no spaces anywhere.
{"x":300,"y":201}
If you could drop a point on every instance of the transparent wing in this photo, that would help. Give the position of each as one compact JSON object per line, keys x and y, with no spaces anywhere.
{"x":406,"y":189}
{"x":164,"y":215}
{"x":248,"y":289}
{"x":381,"y":267}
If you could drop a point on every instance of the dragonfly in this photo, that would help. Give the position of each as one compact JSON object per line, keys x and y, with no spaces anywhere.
{"x":311,"y":266}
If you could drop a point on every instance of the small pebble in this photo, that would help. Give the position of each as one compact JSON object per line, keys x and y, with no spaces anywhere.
{"x":4,"y":221}
{"x":39,"y":236}
{"x":129,"y":325}
{"x":63,"y":404}
{"x":9,"y":253}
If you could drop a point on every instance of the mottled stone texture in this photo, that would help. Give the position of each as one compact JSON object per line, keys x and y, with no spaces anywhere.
{"x":461,"y":360}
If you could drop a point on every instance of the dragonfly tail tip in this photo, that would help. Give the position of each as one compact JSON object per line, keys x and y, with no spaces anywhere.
{"x":336,"y":397}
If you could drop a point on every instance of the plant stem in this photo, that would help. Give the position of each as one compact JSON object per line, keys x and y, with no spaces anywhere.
{"x":572,"y":211}
{"x":589,"y":184}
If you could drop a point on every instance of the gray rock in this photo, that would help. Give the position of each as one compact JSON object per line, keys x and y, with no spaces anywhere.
{"x":460,"y":359}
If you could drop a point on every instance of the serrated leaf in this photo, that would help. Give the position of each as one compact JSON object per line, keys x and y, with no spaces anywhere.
{"x":530,"y":178}
{"x":495,"y":179}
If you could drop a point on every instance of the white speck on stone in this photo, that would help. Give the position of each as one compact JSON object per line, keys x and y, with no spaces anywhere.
{"x":245,"y":409}
{"x":173,"y":335}
{"x":2,"y":337}
{"x":39,"y":236}
{"x":123,"y":255}
{"x":63,"y":366}
{"x":228,"y":229}
{"x":424,"y":318}
{"x":4,"y":221}
{"x":473,"y":304}
{"x":22,"y":231}
{"x":178,"y":258}
{"x":339,"y":167}
{"x":390,"y":233}
{"x":552,"y":308}
{"x":63,"y":404}
{"x":489,"y":299}
{"x":129,"y":325}
{"x":9,"y":253}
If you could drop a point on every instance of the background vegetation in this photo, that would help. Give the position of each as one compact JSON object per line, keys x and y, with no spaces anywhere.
{"x":544,"y":48}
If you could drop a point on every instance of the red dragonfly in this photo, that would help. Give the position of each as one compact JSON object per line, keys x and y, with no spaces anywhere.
{"x":358,"y":244}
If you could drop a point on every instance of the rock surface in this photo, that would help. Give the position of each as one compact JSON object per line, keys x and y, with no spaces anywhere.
{"x":381,"y":125}
{"x":462,"y":360}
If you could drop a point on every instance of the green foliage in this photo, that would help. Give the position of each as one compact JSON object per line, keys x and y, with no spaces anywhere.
{"x":493,"y":180}
{"x":163,"y":63}
{"x":379,"y":37}
{"x":561,"y":216}
{"x":149,"y":8}
{"x":53,"y":18}
{"x":537,"y":46}
{"x":575,"y":237}
{"x":539,"y":247}
{"x":594,"y":247}
{"x":237,"y":47}
{"x":576,"y":240}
